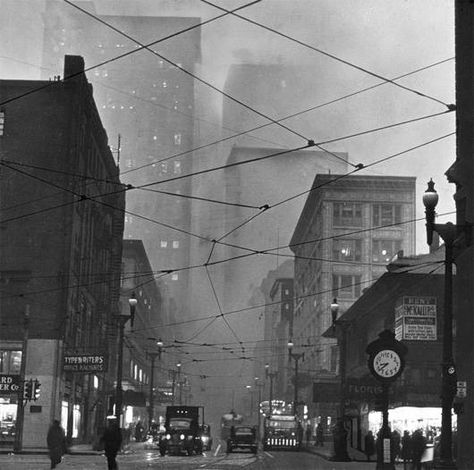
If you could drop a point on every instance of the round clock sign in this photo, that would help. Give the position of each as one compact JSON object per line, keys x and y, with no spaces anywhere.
{"x":387,"y":364}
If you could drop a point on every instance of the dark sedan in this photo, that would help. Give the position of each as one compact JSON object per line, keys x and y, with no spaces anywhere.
{"x":242,"y":437}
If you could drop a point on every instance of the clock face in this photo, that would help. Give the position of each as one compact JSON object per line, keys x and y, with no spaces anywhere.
{"x":387,"y":363}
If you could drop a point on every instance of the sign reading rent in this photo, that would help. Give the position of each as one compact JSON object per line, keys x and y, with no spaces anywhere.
{"x":84,"y":363}
{"x":415,"y":319}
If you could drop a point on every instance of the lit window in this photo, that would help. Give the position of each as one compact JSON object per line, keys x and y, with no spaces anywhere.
{"x":174,"y":277}
{"x":164,"y":84}
{"x":96,"y":382}
{"x":177,"y":168}
{"x":175,"y":106}
{"x":177,"y":139}
{"x":163,"y":244}
{"x":164,"y":167}
{"x":384,"y":250}
{"x":140,"y":375}
{"x":135,"y":372}
{"x":155,"y":137}
{"x":129,"y":163}
{"x":175,"y":243}
{"x":346,"y":249}
{"x":2,"y":122}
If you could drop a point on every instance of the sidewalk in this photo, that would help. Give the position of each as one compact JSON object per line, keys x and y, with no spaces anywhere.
{"x":327,"y":451}
{"x":77,"y":449}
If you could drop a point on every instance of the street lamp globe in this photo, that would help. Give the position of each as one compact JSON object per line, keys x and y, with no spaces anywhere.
{"x":430,"y":196}
{"x":334,"y":310}
{"x":290,"y":345}
{"x":159,"y":343}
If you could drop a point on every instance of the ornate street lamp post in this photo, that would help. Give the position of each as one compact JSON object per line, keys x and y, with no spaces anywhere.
{"x":448,"y":232}
{"x":132,"y":302}
{"x":296,"y":357}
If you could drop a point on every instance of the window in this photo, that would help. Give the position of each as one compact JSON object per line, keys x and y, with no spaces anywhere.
{"x":346,"y":286}
{"x":346,"y":249}
{"x":164,"y":167}
{"x":174,"y":277}
{"x":2,"y":122}
{"x":175,"y":243}
{"x":164,"y":84}
{"x":163,"y":244}
{"x":386,"y":214}
{"x":384,"y":250}
{"x":334,"y":358}
{"x":10,"y":362}
{"x":177,"y":168}
{"x":347,"y":214}
{"x":177,"y":139}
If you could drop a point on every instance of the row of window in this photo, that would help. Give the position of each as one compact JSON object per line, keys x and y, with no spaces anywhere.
{"x":351,"y":250}
{"x":137,"y":373}
{"x":2,"y":122}
{"x":350,"y":214}
{"x":164,"y":168}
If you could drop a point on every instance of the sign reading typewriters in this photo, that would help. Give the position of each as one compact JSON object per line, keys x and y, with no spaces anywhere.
{"x":84,"y":363}
{"x":415,"y":319}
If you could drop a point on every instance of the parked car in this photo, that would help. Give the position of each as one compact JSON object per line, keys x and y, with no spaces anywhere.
{"x":243,"y":437}
{"x":206,"y":437}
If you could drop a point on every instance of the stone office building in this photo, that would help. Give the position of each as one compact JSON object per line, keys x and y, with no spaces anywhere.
{"x":349,"y":229}
{"x":62,"y":212}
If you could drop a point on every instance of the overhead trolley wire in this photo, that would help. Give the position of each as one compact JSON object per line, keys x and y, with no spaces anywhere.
{"x":332,"y":56}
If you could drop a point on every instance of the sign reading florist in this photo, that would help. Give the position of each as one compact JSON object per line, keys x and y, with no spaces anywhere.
{"x":415,"y":319}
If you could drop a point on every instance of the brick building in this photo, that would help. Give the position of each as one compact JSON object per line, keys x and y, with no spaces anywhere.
{"x":62,"y":210}
{"x":349,"y":229}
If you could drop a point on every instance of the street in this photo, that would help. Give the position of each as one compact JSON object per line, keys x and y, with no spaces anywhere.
{"x":145,"y":459}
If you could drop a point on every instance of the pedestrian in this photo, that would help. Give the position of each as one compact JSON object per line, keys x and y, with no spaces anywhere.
{"x":406,"y":451}
{"x":319,"y":435}
{"x":138,"y":432}
{"x":395,"y":443}
{"x":56,"y":440}
{"x":112,"y":439}
{"x":418,"y":445}
{"x":308,"y":434}
{"x":369,"y":447}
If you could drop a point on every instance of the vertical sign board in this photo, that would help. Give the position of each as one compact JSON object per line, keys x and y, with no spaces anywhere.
{"x":415,"y":318}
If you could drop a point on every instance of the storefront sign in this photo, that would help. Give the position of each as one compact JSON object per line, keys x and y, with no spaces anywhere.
{"x":84,"y":363}
{"x":363,"y":390}
{"x":9,"y":384}
{"x":415,"y":319}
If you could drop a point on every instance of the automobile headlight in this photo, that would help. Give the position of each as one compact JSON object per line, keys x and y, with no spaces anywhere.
{"x":204,"y":438}
{"x":182,"y":436}
{"x":150,"y":439}
{"x":168,"y":436}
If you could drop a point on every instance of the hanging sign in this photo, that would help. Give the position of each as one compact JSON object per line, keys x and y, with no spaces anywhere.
{"x":84,"y":363}
{"x":415,"y":319}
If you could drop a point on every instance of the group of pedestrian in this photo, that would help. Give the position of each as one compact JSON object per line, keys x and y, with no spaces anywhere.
{"x":413,"y":448}
{"x":111,"y":441}
{"x":409,"y":448}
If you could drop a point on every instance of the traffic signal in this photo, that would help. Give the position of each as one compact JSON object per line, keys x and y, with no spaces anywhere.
{"x":27,"y":389}
{"x":36,"y":390}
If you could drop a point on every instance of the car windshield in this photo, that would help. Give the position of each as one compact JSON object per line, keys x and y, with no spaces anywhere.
{"x":180,"y":423}
{"x":243,"y":431}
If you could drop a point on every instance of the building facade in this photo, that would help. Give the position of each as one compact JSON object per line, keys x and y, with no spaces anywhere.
{"x":142,"y":349}
{"x":349,"y":229}
{"x":62,"y":227}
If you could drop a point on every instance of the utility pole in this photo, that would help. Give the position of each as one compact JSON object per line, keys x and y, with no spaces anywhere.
{"x":20,"y":414}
